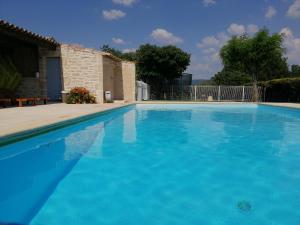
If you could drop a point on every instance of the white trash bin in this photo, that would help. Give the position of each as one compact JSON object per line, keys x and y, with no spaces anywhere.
{"x":64,"y":95}
{"x":108,"y":96}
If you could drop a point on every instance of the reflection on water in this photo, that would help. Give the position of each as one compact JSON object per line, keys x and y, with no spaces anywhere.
{"x":31,"y":169}
{"x":129,"y":131}
{"x":259,"y":130}
{"x":86,"y":142}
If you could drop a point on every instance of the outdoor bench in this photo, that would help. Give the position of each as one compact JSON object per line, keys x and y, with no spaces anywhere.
{"x":33,"y":101}
{"x":4,"y":101}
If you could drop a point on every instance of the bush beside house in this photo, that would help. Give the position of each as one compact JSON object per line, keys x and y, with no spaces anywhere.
{"x":80,"y":95}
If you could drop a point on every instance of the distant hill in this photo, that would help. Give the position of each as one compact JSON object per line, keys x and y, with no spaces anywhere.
{"x":200,"y":82}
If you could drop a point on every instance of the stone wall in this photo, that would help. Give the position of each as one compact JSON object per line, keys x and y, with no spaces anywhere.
{"x":129,"y":79}
{"x":98,"y":72}
{"x":82,"y":67}
{"x":29,"y":87}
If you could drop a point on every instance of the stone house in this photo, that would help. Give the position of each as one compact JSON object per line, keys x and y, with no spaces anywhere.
{"x":48,"y":68}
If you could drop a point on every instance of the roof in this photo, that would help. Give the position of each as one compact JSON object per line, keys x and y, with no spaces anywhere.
{"x":20,"y":33}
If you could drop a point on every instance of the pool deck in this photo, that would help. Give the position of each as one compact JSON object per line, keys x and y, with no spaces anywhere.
{"x":288,"y":105}
{"x":22,"y":121}
{"x":17,"y":121}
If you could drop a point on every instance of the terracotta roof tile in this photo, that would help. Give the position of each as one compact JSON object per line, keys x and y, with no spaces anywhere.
{"x":11,"y":27}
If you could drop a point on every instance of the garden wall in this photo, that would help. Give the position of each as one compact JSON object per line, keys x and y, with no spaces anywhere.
{"x":82,"y":67}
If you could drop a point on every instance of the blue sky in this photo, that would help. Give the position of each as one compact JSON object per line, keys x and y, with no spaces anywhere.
{"x":199,"y":27}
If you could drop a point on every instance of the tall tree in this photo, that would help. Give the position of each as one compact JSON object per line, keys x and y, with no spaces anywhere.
{"x":158,"y":65}
{"x":260,"y":56}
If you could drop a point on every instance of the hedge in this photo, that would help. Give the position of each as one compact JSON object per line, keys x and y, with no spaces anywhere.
{"x":282,"y":90}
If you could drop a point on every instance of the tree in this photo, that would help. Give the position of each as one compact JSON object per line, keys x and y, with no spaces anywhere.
{"x":155,"y":65}
{"x":231,"y":78}
{"x":113,"y":51}
{"x":130,"y":56}
{"x":158,"y":65}
{"x":260,"y":57}
{"x":295,"y":71}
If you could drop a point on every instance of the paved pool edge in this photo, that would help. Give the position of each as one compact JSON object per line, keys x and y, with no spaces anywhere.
{"x":21,"y":135}
{"x":281,"y":104}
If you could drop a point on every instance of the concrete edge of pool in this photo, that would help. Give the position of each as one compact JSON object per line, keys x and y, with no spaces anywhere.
{"x":36,"y":128}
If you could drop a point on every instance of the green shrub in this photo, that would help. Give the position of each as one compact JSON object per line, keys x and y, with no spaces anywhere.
{"x":10,"y":78}
{"x":282,"y":90}
{"x":80,"y":95}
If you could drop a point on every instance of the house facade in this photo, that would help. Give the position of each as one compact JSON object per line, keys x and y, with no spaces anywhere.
{"x":48,"y":68}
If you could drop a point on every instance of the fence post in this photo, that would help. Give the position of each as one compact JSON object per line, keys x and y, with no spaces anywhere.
{"x":219,"y":93}
{"x":172,"y":93}
{"x":243,"y":96}
{"x":195,"y":92}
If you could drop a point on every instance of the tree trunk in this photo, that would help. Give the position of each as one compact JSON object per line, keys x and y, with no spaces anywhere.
{"x":255,"y":96}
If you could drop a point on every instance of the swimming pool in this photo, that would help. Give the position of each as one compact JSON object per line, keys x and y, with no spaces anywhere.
{"x":184,"y":164}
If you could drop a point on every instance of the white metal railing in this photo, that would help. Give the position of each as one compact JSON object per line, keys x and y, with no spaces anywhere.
{"x":212,"y":93}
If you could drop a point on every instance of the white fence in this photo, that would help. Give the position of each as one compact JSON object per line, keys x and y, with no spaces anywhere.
{"x":212,"y":93}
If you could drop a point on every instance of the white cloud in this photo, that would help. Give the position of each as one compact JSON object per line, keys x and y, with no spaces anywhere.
{"x":292,"y":45}
{"x":252,"y":28}
{"x":271,"y":12}
{"x":210,"y":41}
{"x":118,"y":41}
{"x":213,"y":41}
{"x":165,"y":36}
{"x":113,"y":14}
{"x":236,"y":29}
{"x":125,"y":2}
{"x":204,"y":67}
{"x":294,"y":10}
{"x":209,"y":2}
{"x":287,"y":32}
{"x":128,"y":50}
{"x":209,"y":62}
{"x":209,"y":51}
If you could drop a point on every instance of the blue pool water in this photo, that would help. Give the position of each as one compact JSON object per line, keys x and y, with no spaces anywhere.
{"x":159,"y":165}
